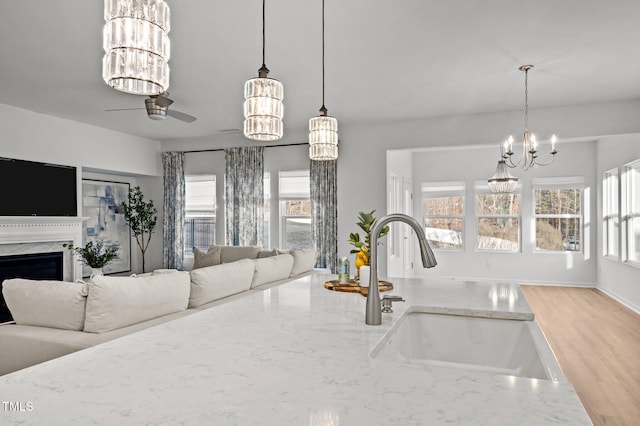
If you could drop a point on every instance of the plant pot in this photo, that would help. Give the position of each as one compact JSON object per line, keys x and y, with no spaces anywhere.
{"x":95,"y":272}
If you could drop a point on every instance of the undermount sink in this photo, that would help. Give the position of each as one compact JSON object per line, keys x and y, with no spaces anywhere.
{"x":500,"y":346}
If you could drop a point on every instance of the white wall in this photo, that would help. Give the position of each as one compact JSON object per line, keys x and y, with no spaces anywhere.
{"x":27,"y":135}
{"x":616,"y":278}
{"x":477,"y":163}
{"x":362,"y":162}
{"x":96,"y":152}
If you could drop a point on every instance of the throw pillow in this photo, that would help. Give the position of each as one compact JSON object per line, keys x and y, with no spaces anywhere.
{"x":116,"y":302}
{"x":303,"y":261}
{"x":210,"y":258}
{"x":218,"y":281}
{"x":233,"y":253}
{"x":271,"y":269}
{"x":55,"y":304}
{"x":267,"y":253}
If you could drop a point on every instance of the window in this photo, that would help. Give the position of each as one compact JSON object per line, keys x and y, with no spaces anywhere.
{"x":558,"y":214}
{"x":610,"y":214}
{"x":498,"y":220}
{"x":443,"y":211}
{"x":631,"y":211}
{"x":295,"y":210}
{"x":267,"y":211}
{"x":200,"y":212}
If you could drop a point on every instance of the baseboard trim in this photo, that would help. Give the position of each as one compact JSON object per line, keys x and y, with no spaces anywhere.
{"x":635,"y":308}
{"x":507,"y":280}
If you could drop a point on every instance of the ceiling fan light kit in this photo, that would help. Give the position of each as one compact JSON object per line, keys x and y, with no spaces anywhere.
{"x":155,"y":111}
{"x":263,"y":107}
{"x":137,"y":46}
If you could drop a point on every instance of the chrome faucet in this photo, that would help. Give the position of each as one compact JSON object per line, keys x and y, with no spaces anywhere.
{"x":374,"y":311}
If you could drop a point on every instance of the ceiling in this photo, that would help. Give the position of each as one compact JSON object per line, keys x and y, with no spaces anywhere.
{"x":385,"y":59}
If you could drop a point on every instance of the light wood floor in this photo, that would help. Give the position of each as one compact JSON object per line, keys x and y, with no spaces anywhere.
{"x":597,"y":343}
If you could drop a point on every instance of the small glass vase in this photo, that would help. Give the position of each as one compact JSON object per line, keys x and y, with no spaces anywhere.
{"x":95,"y":272}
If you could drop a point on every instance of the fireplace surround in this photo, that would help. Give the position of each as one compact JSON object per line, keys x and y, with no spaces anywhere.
{"x":26,"y":235}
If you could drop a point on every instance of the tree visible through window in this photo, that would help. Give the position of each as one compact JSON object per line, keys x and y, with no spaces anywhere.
{"x":498,"y":220}
{"x":443,"y":210}
{"x":558,"y":219}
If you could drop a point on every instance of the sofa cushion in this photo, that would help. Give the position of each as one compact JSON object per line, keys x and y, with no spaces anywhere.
{"x":203,"y":259}
{"x":303,"y":261}
{"x":271,"y":269}
{"x":116,"y":302}
{"x":218,"y":281}
{"x":54,"y":304}
{"x":233,"y":253}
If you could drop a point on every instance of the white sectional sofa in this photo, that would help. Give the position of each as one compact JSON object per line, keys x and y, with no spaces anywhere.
{"x":54,"y":318}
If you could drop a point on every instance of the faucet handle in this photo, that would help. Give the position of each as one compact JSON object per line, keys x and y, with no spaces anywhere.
{"x":387,"y":300}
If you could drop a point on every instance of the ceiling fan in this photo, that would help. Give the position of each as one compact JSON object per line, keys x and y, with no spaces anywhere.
{"x":157,"y":107}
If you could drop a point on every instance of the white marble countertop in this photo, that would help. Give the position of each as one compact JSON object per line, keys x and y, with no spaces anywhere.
{"x":296,"y":354}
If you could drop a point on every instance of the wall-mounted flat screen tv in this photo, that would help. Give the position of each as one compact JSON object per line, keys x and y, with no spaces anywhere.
{"x":29,"y":188}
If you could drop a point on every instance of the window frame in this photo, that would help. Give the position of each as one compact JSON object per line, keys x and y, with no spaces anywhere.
{"x":611,"y":213}
{"x":568,"y":183}
{"x":283,"y":198}
{"x":212,"y":213}
{"x":482,"y":188}
{"x":630,"y":188}
{"x":442,"y":190}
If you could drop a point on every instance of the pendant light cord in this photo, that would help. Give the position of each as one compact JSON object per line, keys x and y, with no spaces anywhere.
{"x":526,"y":100}
{"x":263,"y":71}
{"x":323,"y":109}
{"x":323,"y":53}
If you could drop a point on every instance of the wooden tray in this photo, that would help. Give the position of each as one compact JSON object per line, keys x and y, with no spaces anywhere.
{"x":354,"y":287}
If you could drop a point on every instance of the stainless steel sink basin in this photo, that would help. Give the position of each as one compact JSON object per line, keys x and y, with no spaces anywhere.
{"x":499,"y":346}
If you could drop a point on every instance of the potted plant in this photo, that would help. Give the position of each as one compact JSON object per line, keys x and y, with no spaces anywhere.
{"x":142,"y":219}
{"x":95,"y":255}
{"x":362,"y":247}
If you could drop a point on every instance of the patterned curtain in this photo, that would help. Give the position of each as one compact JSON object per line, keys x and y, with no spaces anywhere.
{"x":324,"y":212}
{"x":244,"y":195}
{"x":174,"y":199}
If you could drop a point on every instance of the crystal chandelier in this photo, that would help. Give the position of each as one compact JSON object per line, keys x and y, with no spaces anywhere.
{"x":529,"y":156}
{"x":136,"y":46}
{"x":263,"y":108}
{"x":502,"y":181}
{"x":323,"y":130}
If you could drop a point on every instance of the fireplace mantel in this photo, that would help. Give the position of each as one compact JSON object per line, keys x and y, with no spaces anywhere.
{"x":42,"y":229}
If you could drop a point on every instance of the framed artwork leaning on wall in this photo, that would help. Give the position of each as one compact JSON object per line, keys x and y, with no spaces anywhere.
{"x":102,"y":204}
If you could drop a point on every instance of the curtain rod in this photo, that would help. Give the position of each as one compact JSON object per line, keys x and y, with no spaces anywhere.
{"x":266,"y":146}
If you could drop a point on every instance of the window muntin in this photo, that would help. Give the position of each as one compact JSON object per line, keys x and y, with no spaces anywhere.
{"x":497,"y":220}
{"x":558,"y":217}
{"x":295,"y":209}
{"x":631,"y":213}
{"x":200,"y":212}
{"x":610,"y":214}
{"x":443,"y":214}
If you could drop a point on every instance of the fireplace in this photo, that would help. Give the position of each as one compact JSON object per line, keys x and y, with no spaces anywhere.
{"x":37,"y":235}
{"x":38,"y":266}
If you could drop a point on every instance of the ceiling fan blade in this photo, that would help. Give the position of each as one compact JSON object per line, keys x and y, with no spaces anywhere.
{"x":163,"y":101}
{"x":181,"y":116}
{"x":122,"y":109}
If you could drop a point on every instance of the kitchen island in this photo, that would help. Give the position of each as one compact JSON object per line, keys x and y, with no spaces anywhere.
{"x":296,"y":354}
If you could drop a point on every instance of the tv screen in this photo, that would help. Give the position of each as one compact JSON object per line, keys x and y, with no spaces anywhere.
{"x":29,"y":188}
